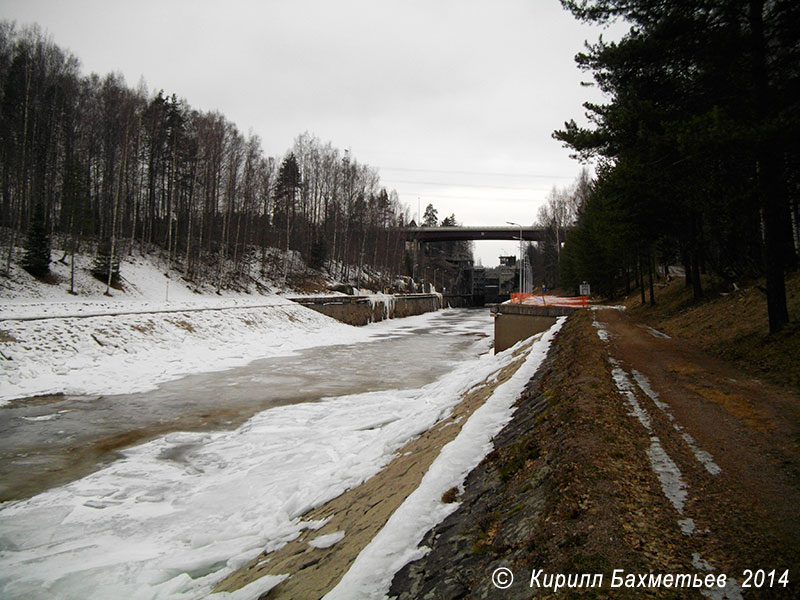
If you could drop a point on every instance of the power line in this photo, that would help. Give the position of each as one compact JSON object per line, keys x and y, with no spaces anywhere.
{"x":460,"y":197}
{"x":458,"y":185}
{"x":490,"y":173}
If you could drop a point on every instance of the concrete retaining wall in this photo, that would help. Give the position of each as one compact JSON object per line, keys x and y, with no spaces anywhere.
{"x":516,"y":322}
{"x":457,"y":301}
{"x":360,"y":310}
{"x":532,"y":310}
{"x":510,"y":329}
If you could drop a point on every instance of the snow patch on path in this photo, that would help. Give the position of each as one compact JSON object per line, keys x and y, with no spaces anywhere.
{"x":668,"y":473}
{"x":655,"y":332}
{"x":628,"y":391}
{"x":703,"y":457}
{"x":731,"y":591}
{"x":603,"y":333}
{"x":252,"y":590}
{"x":326,"y":541}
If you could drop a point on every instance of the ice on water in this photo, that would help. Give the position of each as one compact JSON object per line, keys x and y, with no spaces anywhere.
{"x":174,"y":515}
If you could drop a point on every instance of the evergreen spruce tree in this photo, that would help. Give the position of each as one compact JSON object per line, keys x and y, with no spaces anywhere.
{"x":318,"y":254}
{"x":37,"y":245}
{"x":100,"y":264}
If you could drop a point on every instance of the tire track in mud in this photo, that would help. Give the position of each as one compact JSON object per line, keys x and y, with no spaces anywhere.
{"x":720,"y":499}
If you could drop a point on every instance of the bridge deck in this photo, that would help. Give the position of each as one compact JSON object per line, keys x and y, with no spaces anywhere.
{"x":457,"y":234}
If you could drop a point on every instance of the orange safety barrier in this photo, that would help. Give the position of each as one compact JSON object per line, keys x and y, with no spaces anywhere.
{"x":544,"y":300}
{"x":519,"y":298}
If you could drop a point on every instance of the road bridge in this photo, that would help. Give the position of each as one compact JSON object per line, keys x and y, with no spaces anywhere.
{"x":457,"y":234}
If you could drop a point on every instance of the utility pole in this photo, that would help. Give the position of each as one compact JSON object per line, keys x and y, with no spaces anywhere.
{"x":360,"y":267}
{"x":520,"y":256}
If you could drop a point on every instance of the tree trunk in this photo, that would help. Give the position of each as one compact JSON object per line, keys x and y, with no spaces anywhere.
{"x":21,"y":178}
{"x":774,"y":207}
{"x":114,"y":213}
{"x":640,"y":278}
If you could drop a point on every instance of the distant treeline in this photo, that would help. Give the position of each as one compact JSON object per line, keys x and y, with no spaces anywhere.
{"x":88,"y":159}
{"x":698,"y":146}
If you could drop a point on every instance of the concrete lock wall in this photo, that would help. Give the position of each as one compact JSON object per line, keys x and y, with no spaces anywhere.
{"x":516,"y":322}
{"x":415,"y":304}
{"x":360,"y":310}
{"x":510,"y":329}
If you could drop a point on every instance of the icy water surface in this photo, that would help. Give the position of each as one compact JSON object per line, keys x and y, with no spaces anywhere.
{"x":175,"y":514}
{"x":52,"y":440}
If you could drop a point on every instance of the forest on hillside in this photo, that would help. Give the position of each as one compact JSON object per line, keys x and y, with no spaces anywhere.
{"x":87,"y":162}
{"x":698,"y":146}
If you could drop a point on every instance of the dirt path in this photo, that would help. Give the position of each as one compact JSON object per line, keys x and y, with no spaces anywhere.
{"x":629,"y":451}
{"x":735,"y":441}
{"x":361,"y":512}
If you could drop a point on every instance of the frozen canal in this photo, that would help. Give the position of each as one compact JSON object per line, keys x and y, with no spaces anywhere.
{"x":222,"y":465}
{"x":52,"y":440}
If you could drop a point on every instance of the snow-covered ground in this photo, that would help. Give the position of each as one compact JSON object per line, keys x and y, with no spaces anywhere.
{"x":156,"y":330}
{"x":174,"y":515}
{"x":144,"y":280}
{"x":397,"y":544}
{"x":134,"y":352}
{"x":178,"y":513}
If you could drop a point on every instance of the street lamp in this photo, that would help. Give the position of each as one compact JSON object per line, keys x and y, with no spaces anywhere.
{"x":520,"y":256}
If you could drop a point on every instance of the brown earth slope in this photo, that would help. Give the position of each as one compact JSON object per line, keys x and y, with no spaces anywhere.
{"x":731,"y":325}
{"x":579,"y":482}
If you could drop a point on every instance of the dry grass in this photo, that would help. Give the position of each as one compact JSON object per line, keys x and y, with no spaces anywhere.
{"x":5,"y":336}
{"x":184,"y":325}
{"x":733,"y":326}
{"x":147,"y":327}
{"x":450,"y":496}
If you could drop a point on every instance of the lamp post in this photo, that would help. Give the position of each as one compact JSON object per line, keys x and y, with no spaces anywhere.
{"x":520,"y":256}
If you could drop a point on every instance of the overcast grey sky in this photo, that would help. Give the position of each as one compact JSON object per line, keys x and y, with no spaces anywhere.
{"x":454,"y":101}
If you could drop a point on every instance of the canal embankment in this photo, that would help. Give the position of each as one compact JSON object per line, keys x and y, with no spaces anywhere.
{"x":114,"y":349}
{"x":135,"y":351}
{"x":66,"y":336}
{"x":629,"y":454}
{"x":362,"y":310}
{"x":172,"y":516}
{"x":366,"y":530}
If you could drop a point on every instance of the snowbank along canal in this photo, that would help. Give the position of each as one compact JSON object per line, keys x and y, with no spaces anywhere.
{"x":53,"y":439}
{"x":226,"y":463}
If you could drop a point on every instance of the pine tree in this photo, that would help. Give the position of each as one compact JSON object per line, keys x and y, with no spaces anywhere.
{"x":288,"y":185}
{"x":37,"y":245}
{"x":699,"y":134}
{"x":431,"y":217}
